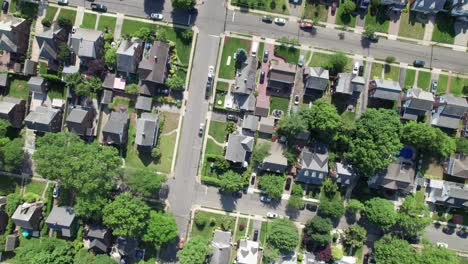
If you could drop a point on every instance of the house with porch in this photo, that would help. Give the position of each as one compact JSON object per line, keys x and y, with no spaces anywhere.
{"x":275,"y":161}
{"x":316,"y":81}
{"x":394,"y":5}
{"x":384,"y":91}
{"x":245,"y":84}
{"x":344,"y":174}
{"x":115,"y":132}
{"x":146,"y":132}
{"x":416,"y":103}
{"x":221,"y":247}
{"x":152,"y":69}
{"x":248,"y":252}
{"x":81,"y":121}
{"x":459,"y":10}
{"x":62,"y":219}
{"x":313,"y":164}
{"x":99,"y":239}
{"x":129,"y":55}
{"x":449,"y":110}
{"x":14,"y":37}
{"x":457,"y":167}
{"x":448,"y":194}
{"x":281,"y":78}
{"x":348,"y":84}
{"x":428,"y":6}
{"x":13,"y":110}
{"x":88,"y":44}
{"x":239,"y":148}
{"x":49,"y":41}
{"x":44,"y":119}
{"x":28,"y":216}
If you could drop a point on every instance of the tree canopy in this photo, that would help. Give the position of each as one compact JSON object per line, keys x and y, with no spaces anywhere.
{"x":284,"y":235}
{"x":354,"y":206}
{"x":355,"y":236}
{"x":241,"y":57}
{"x":318,"y":229}
{"x":413,"y":216}
{"x":127,"y":216}
{"x":231,"y":182}
{"x":195,"y":251}
{"x":433,"y":254}
{"x":260,"y":152}
{"x":391,"y":250}
{"x":462,"y":145}
{"x":145,"y":182}
{"x":45,"y":250}
{"x":161,"y":229}
{"x":292,"y":125}
{"x":427,"y":139}
{"x":183,"y":4}
{"x":175,"y":83}
{"x":376,"y":141}
{"x":337,"y":62}
{"x":111,"y":57}
{"x":381,"y":212}
{"x":272,"y":185}
{"x":324,"y":120}
{"x":348,"y":7}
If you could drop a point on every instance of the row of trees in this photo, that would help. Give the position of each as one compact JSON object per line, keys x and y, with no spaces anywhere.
{"x":11,"y":149}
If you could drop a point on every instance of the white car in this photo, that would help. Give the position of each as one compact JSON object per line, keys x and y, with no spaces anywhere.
{"x":62,"y":2}
{"x":265,"y":199}
{"x":200,"y":130}
{"x":280,"y":21}
{"x":356,"y":68}
{"x":156,"y":16}
{"x":443,"y":245}
{"x":210,"y":72}
{"x":272,"y":215}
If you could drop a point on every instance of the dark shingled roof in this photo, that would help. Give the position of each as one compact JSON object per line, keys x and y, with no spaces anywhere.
{"x":144,"y":103}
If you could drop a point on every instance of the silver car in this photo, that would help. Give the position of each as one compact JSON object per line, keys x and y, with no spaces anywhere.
{"x":156,"y":16}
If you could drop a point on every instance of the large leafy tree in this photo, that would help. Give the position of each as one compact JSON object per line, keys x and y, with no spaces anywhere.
{"x":318,"y":229}
{"x":337,"y":62}
{"x":376,"y":141}
{"x":391,"y":250}
{"x":183,"y":4}
{"x":462,"y":145}
{"x":241,"y":57}
{"x":355,"y":206}
{"x":145,"y":182}
{"x":45,"y":250}
{"x":110,"y":57}
{"x":11,"y":154}
{"x":325,"y":122}
{"x":284,"y":235}
{"x":428,"y":139}
{"x":272,"y":185}
{"x":195,"y":251}
{"x":175,"y":83}
{"x":413,"y":216}
{"x":355,"y":236}
{"x":292,"y":125}
{"x":332,"y":207}
{"x":127,"y":216}
{"x":381,"y":212}
{"x":231,"y":182}
{"x":295,"y":201}
{"x":161,"y":229}
{"x":260,"y":152}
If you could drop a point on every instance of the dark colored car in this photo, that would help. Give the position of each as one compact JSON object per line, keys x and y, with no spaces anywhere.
{"x":232,"y":118}
{"x":448,"y":230}
{"x":98,"y":7}
{"x":419,"y":63}
{"x":5,"y":5}
{"x":288,"y":184}
{"x":312,"y":207}
{"x":267,"y":19}
{"x":255,"y":235}
{"x":462,"y":233}
{"x":361,"y":70}
{"x":265,"y":56}
{"x":262,"y":77}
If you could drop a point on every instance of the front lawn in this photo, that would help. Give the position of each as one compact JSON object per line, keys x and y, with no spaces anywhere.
{"x":315,"y":10}
{"x":213,"y":148}
{"x":409,"y":78}
{"x":218,"y":131}
{"x":410,"y":27}
{"x":68,"y":13}
{"x":263,"y":232}
{"x":171,"y":121}
{"x":107,"y":22}
{"x":50,"y":13}
{"x":392,"y":73}
{"x":183,"y":47}
{"x":442,"y":84}
{"x":19,"y":88}
{"x":272,"y":6}
{"x":376,"y":71}
{"x":458,"y":86}
{"x":131,"y":26}
{"x":9,"y":185}
{"x":213,"y":222}
{"x":319,"y":59}
{"x":288,"y":54}
{"x":443,"y":29}
{"x":35,"y":187}
{"x":380,"y":22}
{"x":223,"y":86}
{"x":424,"y":80}
{"x":166,"y":145}
{"x":227,"y":71}
{"x":279,"y":103}
{"x":343,"y":19}
{"x":89,"y":21}
{"x":241,"y":228}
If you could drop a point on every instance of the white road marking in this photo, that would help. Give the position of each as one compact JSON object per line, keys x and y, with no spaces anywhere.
{"x":233,"y":15}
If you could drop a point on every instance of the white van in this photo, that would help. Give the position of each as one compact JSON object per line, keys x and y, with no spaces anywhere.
{"x":253,"y":50}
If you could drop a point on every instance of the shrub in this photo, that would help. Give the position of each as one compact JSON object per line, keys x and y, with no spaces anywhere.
{"x":390,"y":59}
{"x":46,"y":22}
{"x":31,"y":197}
{"x":241,"y":227}
{"x":212,"y":221}
{"x":200,"y":220}
{"x":65,"y":22}
{"x":156,"y":154}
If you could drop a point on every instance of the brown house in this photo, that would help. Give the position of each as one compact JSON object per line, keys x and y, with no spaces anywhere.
{"x":14,"y":36}
{"x":153,"y":68}
{"x":13,"y":110}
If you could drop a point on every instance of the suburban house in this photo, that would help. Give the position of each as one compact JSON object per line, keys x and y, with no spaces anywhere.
{"x":80,"y":121}
{"x":262,"y":106}
{"x":152,"y":69}
{"x":343,"y":174}
{"x":221,"y":247}
{"x":315,"y":80}
{"x":250,"y":124}
{"x":28,"y":216}
{"x":247,"y":252}
{"x":11,"y":242}
{"x":266,"y":127}
{"x":114,"y":83}
{"x":313,"y":164}
{"x":449,"y":110}
{"x":37,"y":85}
{"x":281,"y":78}
{"x":144,"y":103}
{"x":146,"y":132}
{"x":129,"y":55}
{"x":239,"y":148}
{"x":449,"y":194}
{"x":125,"y":247}
{"x":428,"y":6}
{"x":99,"y":239}
{"x":62,"y":220}
{"x":13,"y":110}
{"x":275,"y":161}
{"x":14,"y":36}
{"x":458,"y":167}
{"x":244,"y":99}
{"x":49,"y":41}
{"x":44,"y":119}
{"x":348,"y":84}
{"x":88,"y":44}
{"x":385,"y":90}
{"x":394,"y":5}
{"x":416,"y":103}
{"x":116,"y":129}
{"x":459,"y":10}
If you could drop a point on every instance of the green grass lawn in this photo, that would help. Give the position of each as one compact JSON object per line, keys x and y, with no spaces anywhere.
{"x":56,"y":90}
{"x":213,"y":148}
{"x":171,"y":121}
{"x":261,"y":47}
{"x":131,"y":26}
{"x":272,"y":6}
{"x":241,"y":224}
{"x":376,"y":71}
{"x":348,"y":119}
{"x":19,"y":88}
{"x":68,"y":13}
{"x":319,"y":59}
{"x":279,"y":103}
{"x":219,"y":99}
{"x":410,"y":27}
{"x":409,"y":78}
{"x":218,"y":131}
{"x":392,"y":73}
{"x":35,"y":187}
{"x":183,"y":48}
{"x":107,"y":22}
{"x":344,"y":19}
{"x":166,"y":144}
{"x":229,"y":49}
{"x":315,"y":10}
{"x":222,"y":86}
{"x":442,"y":84}
{"x":380,"y":22}
{"x":443,"y":29}
{"x":424,"y":80}
{"x":89,"y":21}
{"x":263,"y":233}
{"x":9,"y":185}
{"x":457,"y":86}
{"x":51,"y":11}
{"x":289,"y":54}
{"x":207,"y":231}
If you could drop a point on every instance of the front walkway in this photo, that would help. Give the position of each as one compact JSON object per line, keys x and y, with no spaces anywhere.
{"x":394,"y":26}
{"x":429,"y":28}
{"x":461,"y":39}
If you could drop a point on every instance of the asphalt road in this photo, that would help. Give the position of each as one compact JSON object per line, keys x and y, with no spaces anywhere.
{"x":453,"y":241}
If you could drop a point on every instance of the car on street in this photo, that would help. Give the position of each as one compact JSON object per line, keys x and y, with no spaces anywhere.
{"x":156,"y":16}
{"x":210,"y":72}
{"x":433,"y":86}
{"x":255,"y":235}
{"x":62,"y":2}
{"x":265,"y":56}
{"x":272,"y":215}
{"x":265,"y":199}
{"x":419,"y":63}
{"x":5,"y":5}
{"x":333,"y":8}
{"x":200,"y":130}
{"x":98,"y":7}
{"x":232,"y":118}
{"x":267,"y":19}
{"x":306,"y":25}
{"x":262,"y":77}
{"x":462,"y":233}
{"x":448,"y":230}
{"x":356,"y":68}
{"x":55,"y":192}
{"x":442,"y":245}
{"x":300,"y":62}
{"x":280,"y":21}
{"x":296,"y":99}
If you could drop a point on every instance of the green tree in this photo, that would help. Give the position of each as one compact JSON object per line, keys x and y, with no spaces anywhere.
{"x":427,"y":139}
{"x":72,"y":80}
{"x":12,"y":154}
{"x":295,"y":202}
{"x":329,"y":188}
{"x":175,"y":83}
{"x":381,"y":212}
{"x":95,"y":84}
{"x":144,"y":33}
{"x":355,"y":206}
{"x":231,"y":182}
{"x":183,"y":4}
{"x":292,"y":125}
{"x":260,"y":152}
{"x":318,"y":229}
{"x":110,"y":57}
{"x":413,"y":216}
{"x":195,"y":251}
{"x":375,"y":142}
{"x":13,"y":200}
{"x":348,"y":7}
{"x":132,"y":88}
{"x":3,"y":127}
{"x":90,"y":206}
{"x":355,"y":236}
{"x":337,"y":62}
{"x":284,"y":235}
{"x":337,"y":252}
{"x":433,"y":254}
{"x":369,"y":31}
{"x":65,"y":22}
{"x":45,"y":250}
{"x":63,"y":54}
{"x":390,"y":59}
{"x":241,"y":57}
{"x":462,"y":145}
{"x":231,"y":127}
{"x":270,"y":255}
{"x":325,"y":122}
{"x":145,"y":182}
{"x":127,"y":216}
{"x":394,"y":251}
{"x":272,"y":185}
{"x":161,"y":229}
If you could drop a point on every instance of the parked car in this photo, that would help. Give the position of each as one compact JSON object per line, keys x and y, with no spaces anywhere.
{"x":232,"y":118}
{"x":55,"y":192}
{"x":272,"y":215}
{"x":462,"y":233}
{"x":265,"y":199}
{"x":433,"y":86}
{"x":280,"y":21}
{"x":156,"y":16}
{"x":306,"y":25}
{"x":356,"y":68}
{"x":288,"y":184}
{"x":98,"y":7}
{"x":200,"y":130}
{"x":448,"y":230}
{"x":333,"y":8}
{"x":267,"y":19}
{"x":265,"y":56}
{"x":262,"y":77}
{"x":62,"y":2}
{"x":296,"y":99}
{"x":361,"y":70}
{"x":311,"y":207}
{"x":255,"y":235}
{"x":300,"y":62}
{"x":443,"y":245}
{"x":419,"y":63}
{"x":210,"y":72}
{"x":5,"y":5}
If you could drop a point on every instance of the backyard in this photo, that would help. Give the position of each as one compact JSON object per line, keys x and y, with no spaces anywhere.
{"x":409,"y":78}
{"x":273,"y":6}
{"x":218,"y":131}
{"x":35,"y":187}
{"x":107,"y":22}
{"x":379,"y":22}
{"x":18,"y":88}
{"x":227,"y":69}
{"x":315,"y":10}
{"x":424,"y":80}
{"x":410,"y":27}
{"x":89,"y":21}
{"x":56,"y":90}
{"x":457,"y":86}
{"x":288,"y":54}
{"x":443,"y":29}
{"x":279,"y":103}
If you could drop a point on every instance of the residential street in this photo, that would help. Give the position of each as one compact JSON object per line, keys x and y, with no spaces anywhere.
{"x":453,"y":241}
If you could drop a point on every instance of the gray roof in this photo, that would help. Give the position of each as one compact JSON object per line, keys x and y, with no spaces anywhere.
{"x":153,"y":67}
{"x":11,"y":242}
{"x":446,"y":121}
{"x":358,"y":83}
{"x":117,"y":123}
{"x":146,"y":130}
{"x":221,"y":246}
{"x":245,"y":82}
{"x":3,"y":79}
{"x":315,"y":158}
{"x":344,"y":83}
{"x":454,"y":194}
{"x":36,"y":84}
{"x":275,"y":161}
{"x":109,"y":81}
{"x":385,"y":90}
{"x":61,"y":216}
{"x":283,"y":72}
{"x":30,"y":67}
{"x":245,"y":102}
{"x":267,"y":125}
{"x":144,"y":103}
{"x":84,"y":42}
{"x":250,"y":123}
{"x":262,"y":106}
{"x":127,"y":246}
{"x":345,"y":173}
{"x":399,"y":175}
{"x":317,"y":79}
{"x":99,"y":232}
{"x":126,"y":57}
{"x":70,"y":69}
{"x":106,"y":97}
{"x":98,"y":244}
{"x":238,"y":147}
{"x":428,"y":6}
{"x":458,"y":166}
{"x":25,"y":211}
{"x":41,"y":117}
{"x":77,"y":115}
{"x":418,"y":99}
{"x":454,"y":106}
{"x":8,"y":103}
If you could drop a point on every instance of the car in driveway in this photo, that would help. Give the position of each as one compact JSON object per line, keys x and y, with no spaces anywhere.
{"x":265,"y":56}
{"x":306,"y":25}
{"x":55,"y":192}
{"x":433,"y":86}
{"x":372,"y":38}
{"x":272,"y":215}
{"x":312,"y":207}
{"x":255,"y":235}
{"x":262,"y":77}
{"x":265,"y":199}
{"x":462,"y":233}
{"x":156,"y":16}
{"x":356,"y":68}
{"x":280,"y":21}
{"x":296,"y":99}
{"x":232,"y":118}
{"x":300,"y":62}
{"x":267,"y":19}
